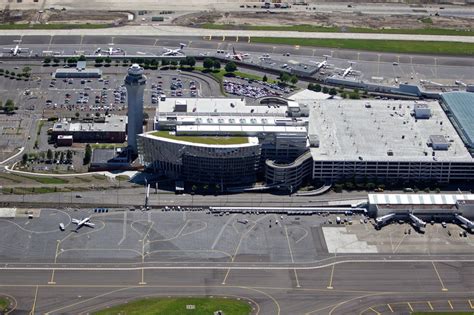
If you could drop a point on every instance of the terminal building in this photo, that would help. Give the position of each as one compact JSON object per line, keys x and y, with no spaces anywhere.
{"x":201,"y":140}
{"x":220,"y":141}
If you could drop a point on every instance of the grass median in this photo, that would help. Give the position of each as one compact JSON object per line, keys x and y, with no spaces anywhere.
{"x":391,"y":46}
{"x":178,"y":306}
{"x":4,"y":303}
{"x":332,"y":29}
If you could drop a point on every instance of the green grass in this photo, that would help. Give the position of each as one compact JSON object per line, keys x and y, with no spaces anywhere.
{"x":202,"y":140}
{"x":99,"y":177}
{"x":177,"y":306}
{"x":57,"y":26}
{"x":107,"y":145}
{"x":394,"y":46}
{"x":32,"y":190}
{"x":331,"y":29}
{"x":10,"y":177}
{"x":48,"y":180}
{"x":4,"y":304}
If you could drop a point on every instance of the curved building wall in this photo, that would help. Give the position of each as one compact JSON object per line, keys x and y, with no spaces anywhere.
{"x":290,"y":175}
{"x":207,"y":164}
{"x":135,"y":84}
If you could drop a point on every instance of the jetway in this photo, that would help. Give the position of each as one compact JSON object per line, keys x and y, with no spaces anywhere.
{"x":469,"y":224}
{"x":384,"y":220}
{"x":417,"y":222}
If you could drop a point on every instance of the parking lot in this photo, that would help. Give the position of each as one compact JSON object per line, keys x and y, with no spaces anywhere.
{"x":254,"y":89}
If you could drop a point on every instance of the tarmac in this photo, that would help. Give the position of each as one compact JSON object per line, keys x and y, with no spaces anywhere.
{"x":282,"y":269}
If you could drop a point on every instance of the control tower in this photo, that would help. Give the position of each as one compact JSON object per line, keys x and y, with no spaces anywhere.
{"x":135,"y":84}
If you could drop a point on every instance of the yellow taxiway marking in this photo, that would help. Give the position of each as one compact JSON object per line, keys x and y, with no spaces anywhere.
{"x":431,"y":306}
{"x":223,"y":38}
{"x":248,"y":40}
{"x":443,"y":288}
{"x":330,"y":287}
{"x":236,"y":38}
{"x":390,"y":308}
{"x":370,"y":308}
{"x":450,"y":305}
{"x":34,"y":302}
{"x":409,"y":305}
{"x":292,"y":259}
{"x":471,"y":304}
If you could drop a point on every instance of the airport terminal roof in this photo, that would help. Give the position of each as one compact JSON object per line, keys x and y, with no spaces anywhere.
{"x":376,"y":130}
{"x":226,"y":129}
{"x":306,"y":94}
{"x":418,"y":199}
{"x":219,"y":106}
{"x":461,"y":109}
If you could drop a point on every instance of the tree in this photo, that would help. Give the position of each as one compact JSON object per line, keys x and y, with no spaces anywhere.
{"x":332,"y":91}
{"x":217,"y":65}
{"x":174,"y":63}
{"x":294,"y":79}
{"x":208,"y":63}
{"x":77,"y":114}
{"x":97,"y":114}
{"x":325,"y":90}
{"x":264,"y":79}
{"x":108,"y":60}
{"x":26,"y":69}
{"x":284,"y":77}
{"x":24,"y":158}
{"x":56,"y":60}
{"x":9,"y":106}
{"x":49,"y":154}
{"x":99,"y":60}
{"x":230,"y":67}
{"x":165,"y":62}
{"x":317,"y":87}
{"x":191,"y":61}
{"x":47,"y":60}
{"x":87,"y":154}
{"x":69,"y":155}
{"x":82,"y":58}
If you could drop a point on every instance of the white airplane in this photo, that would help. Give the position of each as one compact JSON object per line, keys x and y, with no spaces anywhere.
{"x":174,"y":52}
{"x":322,"y":64}
{"x":349,"y":70}
{"x":80,"y":223}
{"x":237,"y":56}
{"x":15,"y":51}
{"x":110,"y":51}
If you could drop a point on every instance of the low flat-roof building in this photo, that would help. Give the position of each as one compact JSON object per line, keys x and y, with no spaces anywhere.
{"x":383,"y":140}
{"x":104,"y":129}
{"x":78,"y":73}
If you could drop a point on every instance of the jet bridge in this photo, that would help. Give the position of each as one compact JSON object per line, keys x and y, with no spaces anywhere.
{"x":384,"y":220}
{"x":469,"y":224}
{"x":417,"y":222}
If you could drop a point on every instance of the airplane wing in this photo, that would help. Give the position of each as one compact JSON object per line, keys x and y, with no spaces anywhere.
{"x":75,"y":221}
{"x":89,"y":224}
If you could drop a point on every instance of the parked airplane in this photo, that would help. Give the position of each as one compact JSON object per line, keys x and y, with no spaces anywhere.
{"x":15,"y":51}
{"x":322,"y":64}
{"x":236,"y":55}
{"x":174,"y":52}
{"x":110,"y":51}
{"x":84,"y":221}
{"x":349,"y":70}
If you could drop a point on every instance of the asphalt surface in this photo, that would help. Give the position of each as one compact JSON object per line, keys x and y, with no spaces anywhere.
{"x":278,"y":269}
{"x":373,"y":66}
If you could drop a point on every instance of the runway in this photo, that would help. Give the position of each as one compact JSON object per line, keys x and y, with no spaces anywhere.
{"x":278,"y":270}
{"x":173,"y":30}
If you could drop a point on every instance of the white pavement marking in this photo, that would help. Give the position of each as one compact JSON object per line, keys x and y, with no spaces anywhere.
{"x":124,"y":231}
{"x":222,"y":231}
